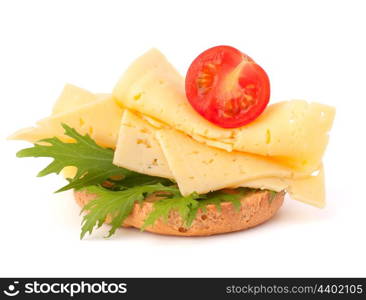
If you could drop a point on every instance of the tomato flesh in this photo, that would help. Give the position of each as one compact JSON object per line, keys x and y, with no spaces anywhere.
{"x":227,"y":87}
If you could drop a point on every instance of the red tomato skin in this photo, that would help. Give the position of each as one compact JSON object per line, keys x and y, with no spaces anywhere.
{"x":227,"y":109}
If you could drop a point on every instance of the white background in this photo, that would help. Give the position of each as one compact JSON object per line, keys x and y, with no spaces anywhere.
{"x":313,"y":50}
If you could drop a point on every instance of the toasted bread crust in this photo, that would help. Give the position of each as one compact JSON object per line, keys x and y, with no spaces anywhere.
{"x":256,"y":208}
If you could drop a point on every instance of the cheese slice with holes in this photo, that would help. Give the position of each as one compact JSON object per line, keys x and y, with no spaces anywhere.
{"x":293,"y":132}
{"x":137,"y":148}
{"x":72,"y":97}
{"x":100,"y":119}
{"x":152,"y":86}
{"x":199,"y":168}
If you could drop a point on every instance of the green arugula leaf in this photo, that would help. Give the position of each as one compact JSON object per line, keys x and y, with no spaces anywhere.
{"x":220,"y":196}
{"x":94,"y":163}
{"x":115,"y":204}
{"x":162,"y":208}
{"x":137,"y":179}
{"x":188,"y":206}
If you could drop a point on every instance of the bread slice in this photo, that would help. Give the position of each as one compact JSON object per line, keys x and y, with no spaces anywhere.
{"x":256,"y":208}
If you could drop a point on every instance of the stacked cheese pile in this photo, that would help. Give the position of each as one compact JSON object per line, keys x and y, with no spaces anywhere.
{"x":155,"y":131}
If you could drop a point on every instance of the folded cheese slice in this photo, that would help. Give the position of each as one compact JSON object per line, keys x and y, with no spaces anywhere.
{"x":152,"y":86}
{"x":100,"y":119}
{"x":293,"y":132}
{"x":310,"y":190}
{"x":276,"y":184}
{"x":199,"y":168}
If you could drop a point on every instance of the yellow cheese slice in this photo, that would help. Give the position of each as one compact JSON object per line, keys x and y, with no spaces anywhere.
{"x":309,"y":190}
{"x":72,"y":97}
{"x":137,"y":148}
{"x":100,"y":119}
{"x":272,"y":183}
{"x":69,"y":172}
{"x":293,"y":132}
{"x":31,"y":134}
{"x":153,"y":87}
{"x":214,"y":143}
{"x":152,"y":121}
{"x":199,"y":168}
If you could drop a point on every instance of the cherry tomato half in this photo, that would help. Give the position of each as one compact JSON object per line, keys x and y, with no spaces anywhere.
{"x":227,"y":87}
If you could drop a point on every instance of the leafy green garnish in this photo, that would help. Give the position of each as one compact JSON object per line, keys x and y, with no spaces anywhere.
{"x":115,"y":204}
{"x":188,"y":206}
{"x":219,"y":196}
{"x":94,"y":163}
{"x":137,"y":179}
